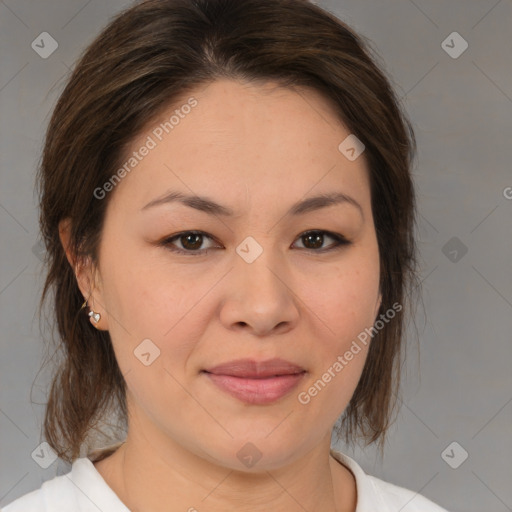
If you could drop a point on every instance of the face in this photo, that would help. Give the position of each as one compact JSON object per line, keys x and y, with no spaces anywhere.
{"x":256,"y":279}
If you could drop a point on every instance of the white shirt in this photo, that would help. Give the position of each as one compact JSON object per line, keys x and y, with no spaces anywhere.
{"x":83,"y":489}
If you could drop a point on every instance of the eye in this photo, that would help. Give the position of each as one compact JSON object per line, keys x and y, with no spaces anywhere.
{"x":191,"y":242}
{"x":315,"y":239}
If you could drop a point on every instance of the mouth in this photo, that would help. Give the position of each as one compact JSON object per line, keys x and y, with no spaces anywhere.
{"x":256,"y":383}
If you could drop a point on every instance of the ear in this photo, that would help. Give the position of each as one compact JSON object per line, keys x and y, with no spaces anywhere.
{"x":87,"y":276}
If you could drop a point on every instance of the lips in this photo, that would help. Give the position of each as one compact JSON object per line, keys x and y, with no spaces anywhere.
{"x":254,"y":382}
{"x":251,"y":369}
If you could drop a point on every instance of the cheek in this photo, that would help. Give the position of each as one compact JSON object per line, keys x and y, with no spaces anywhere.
{"x":345,"y":303}
{"x":146,"y":300}
{"x":346,"y":306}
{"x":353,"y":308}
{"x":346,"y":299}
{"x":140,"y":293}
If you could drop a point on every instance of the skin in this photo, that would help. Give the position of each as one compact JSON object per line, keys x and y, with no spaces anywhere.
{"x":256,"y":149}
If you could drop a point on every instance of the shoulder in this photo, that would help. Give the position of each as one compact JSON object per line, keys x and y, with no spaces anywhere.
{"x":82,"y":488}
{"x":53,"y":496}
{"x":376,"y":494}
{"x":400,"y":498}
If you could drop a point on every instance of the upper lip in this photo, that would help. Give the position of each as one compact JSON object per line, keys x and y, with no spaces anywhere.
{"x":251,"y":368}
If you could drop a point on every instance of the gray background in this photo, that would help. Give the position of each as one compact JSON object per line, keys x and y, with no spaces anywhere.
{"x":458,"y":386}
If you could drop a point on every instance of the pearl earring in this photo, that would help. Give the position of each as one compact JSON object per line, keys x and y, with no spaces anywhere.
{"x":95,"y":317}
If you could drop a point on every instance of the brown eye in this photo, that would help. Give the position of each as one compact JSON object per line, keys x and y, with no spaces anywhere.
{"x":314,"y":240}
{"x":191,"y":241}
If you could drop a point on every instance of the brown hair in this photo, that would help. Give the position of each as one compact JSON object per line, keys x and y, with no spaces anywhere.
{"x":143,"y":61}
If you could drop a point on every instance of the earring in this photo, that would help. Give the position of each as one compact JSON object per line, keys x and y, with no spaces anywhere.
{"x":95,"y":317}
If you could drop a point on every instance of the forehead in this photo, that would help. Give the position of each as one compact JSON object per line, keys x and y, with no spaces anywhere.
{"x":240,"y":138}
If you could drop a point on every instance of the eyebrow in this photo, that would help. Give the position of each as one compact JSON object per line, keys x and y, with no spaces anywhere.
{"x":207,"y":205}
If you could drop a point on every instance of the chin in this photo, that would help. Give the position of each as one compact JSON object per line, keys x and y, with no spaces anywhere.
{"x":255,"y":453}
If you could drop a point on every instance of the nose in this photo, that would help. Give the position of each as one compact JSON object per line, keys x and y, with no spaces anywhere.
{"x":259,"y":297}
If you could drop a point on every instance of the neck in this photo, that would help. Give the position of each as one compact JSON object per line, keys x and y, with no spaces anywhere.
{"x":157,"y":478}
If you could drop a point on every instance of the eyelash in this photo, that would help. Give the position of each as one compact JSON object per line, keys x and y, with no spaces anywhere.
{"x":340,"y":241}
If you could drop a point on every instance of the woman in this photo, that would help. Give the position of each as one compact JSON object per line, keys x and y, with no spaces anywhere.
{"x":228,"y":211}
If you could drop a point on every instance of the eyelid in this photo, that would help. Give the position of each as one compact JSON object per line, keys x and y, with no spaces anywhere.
{"x":167,"y":242}
{"x":340,"y":241}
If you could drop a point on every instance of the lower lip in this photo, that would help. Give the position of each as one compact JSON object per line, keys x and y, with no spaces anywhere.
{"x":256,"y":391}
